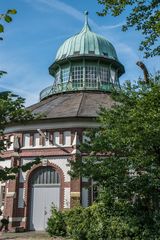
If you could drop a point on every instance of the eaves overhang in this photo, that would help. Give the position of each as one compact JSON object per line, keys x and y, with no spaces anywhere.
{"x":91,"y":57}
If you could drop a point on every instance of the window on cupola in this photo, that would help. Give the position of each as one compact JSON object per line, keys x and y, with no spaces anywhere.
{"x":77,"y":76}
{"x":76,"y":52}
{"x":105,"y":54}
{"x":91,"y":52}
{"x":104,"y":76}
{"x":57,"y":77}
{"x":65,"y":75}
{"x":64,"y":55}
{"x":113,"y":75}
{"x":90,"y":76}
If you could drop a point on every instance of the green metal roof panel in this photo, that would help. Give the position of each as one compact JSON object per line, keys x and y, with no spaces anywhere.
{"x":85,"y":43}
{"x":82,"y":44}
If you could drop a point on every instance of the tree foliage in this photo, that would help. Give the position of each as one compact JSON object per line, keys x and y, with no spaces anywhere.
{"x":12,"y":110}
{"x":144,"y":16}
{"x":102,"y":221}
{"x":6,"y":17}
{"x":124,"y":154}
{"x":56,"y":225}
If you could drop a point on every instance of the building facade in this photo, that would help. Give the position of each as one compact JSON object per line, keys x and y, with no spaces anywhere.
{"x":85,"y":71}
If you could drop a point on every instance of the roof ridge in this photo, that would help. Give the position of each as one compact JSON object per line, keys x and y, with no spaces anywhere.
{"x":80,"y":105}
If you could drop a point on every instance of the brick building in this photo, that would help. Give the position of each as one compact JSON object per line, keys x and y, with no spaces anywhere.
{"x":85,"y":70}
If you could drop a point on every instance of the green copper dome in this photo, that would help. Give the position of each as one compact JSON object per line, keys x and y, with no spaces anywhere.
{"x":84,"y":62}
{"x":86,"y":43}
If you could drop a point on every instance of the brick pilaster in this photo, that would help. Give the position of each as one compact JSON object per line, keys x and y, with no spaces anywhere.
{"x":11,"y":201}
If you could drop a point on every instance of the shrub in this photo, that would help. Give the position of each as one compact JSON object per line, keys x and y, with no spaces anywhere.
{"x":77,"y":225}
{"x":100,"y":221}
{"x":85,"y":223}
{"x":56,"y":223}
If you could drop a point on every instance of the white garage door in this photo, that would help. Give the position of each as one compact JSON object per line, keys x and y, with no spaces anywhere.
{"x":45,"y":192}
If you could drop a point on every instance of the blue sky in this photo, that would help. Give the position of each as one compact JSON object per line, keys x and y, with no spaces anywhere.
{"x":41,"y":26}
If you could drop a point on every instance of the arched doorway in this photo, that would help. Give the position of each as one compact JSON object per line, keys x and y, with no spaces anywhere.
{"x":45,"y":191}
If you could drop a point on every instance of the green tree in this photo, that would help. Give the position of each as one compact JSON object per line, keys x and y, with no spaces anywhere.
{"x":124,"y":156}
{"x":143,"y":15}
{"x":12,"y":110}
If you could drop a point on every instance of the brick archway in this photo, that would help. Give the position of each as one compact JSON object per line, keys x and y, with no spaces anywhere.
{"x":28,"y":187}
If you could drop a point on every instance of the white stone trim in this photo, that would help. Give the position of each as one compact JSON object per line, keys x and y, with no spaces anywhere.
{"x":67,"y":197}
{"x":5,"y":163}
{"x":22,"y":175}
{"x":46,"y":146}
{"x":11,"y":194}
{"x":61,"y":162}
{"x":87,"y":124}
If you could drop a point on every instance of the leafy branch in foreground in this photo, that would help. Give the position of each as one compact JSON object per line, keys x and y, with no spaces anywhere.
{"x":10,"y":173}
{"x":7,"y":18}
{"x":144,"y":16}
{"x":12,"y":110}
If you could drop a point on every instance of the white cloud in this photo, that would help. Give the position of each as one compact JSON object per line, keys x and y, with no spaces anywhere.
{"x":59,"y":5}
{"x":126,"y":50}
{"x":71,"y":11}
{"x":105,"y":27}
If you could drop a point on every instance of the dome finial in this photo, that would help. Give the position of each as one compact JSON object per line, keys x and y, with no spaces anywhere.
{"x":86,"y":25}
{"x":86,"y":17}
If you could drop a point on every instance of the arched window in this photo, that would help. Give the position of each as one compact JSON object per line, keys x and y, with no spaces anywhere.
{"x":45,"y":175}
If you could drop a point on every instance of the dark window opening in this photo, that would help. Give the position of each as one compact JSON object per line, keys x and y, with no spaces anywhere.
{"x":77,"y":52}
{"x":105,"y":54}
{"x":94,"y":193}
{"x":91,"y":52}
